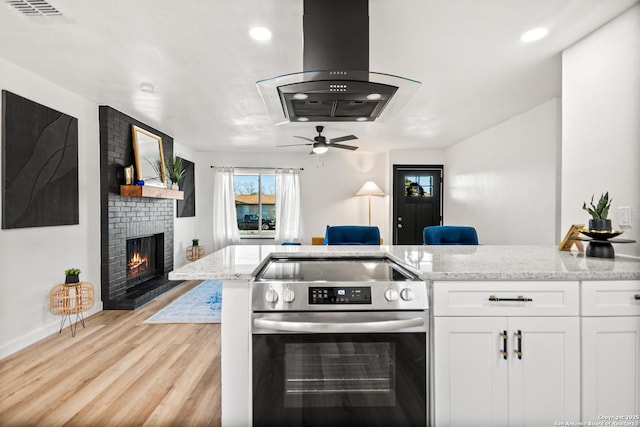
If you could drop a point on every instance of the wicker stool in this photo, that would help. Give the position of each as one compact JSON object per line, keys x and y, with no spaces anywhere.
{"x":71,"y":298}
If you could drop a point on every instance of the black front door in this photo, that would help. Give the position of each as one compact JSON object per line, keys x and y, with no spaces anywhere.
{"x":417,"y":201}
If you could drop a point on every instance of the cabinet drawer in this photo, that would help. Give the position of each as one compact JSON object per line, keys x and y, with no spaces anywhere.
{"x":508,"y":298}
{"x":611,"y":298}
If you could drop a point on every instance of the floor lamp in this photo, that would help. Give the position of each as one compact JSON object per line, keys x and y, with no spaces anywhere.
{"x":370,"y":189}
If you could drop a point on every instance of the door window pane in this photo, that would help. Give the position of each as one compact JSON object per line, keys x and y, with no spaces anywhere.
{"x":418,"y":185}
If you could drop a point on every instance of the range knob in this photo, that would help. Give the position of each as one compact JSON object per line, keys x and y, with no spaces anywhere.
{"x":288,"y":295}
{"x":271,"y":295}
{"x":406,"y":294}
{"x":391,"y":294}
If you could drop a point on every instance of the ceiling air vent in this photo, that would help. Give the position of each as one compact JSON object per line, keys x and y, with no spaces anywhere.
{"x":34,"y":7}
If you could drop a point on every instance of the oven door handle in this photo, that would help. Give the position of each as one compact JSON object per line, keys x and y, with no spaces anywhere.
{"x":327,"y":327}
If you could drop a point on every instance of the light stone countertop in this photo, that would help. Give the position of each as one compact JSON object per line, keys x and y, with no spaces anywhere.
{"x":483,"y":262}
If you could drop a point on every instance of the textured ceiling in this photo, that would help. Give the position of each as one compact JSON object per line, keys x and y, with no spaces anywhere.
{"x":203,"y":65}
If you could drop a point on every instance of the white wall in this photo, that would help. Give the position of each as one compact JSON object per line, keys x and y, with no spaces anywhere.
{"x":328,"y":186}
{"x":185,"y":229}
{"x":601,"y":124}
{"x":503,"y":181}
{"x":33,"y":260}
{"x":417,"y":157}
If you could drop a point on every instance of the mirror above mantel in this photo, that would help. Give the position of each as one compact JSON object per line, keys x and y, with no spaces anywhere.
{"x":149,"y":158}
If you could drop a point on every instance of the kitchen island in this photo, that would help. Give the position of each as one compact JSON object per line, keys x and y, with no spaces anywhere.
{"x":484,"y":262}
{"x":548,"y":312}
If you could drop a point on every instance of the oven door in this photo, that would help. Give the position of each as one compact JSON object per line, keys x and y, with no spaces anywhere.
{"x":340,"y":369}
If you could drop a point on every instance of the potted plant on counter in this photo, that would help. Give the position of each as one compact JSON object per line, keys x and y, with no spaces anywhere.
{"x":175,"y":171}
{"x":72,"y":276}
{"x":195,"y":242}
{"x":599,"y":213}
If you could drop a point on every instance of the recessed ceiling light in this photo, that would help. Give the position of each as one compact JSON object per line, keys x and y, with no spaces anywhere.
{"x":303,"y":119}
{"x":300,"y":96}
{"x":260,"y":33}
{"x":146,"y":88}
{"x":533,"y":35}
{"x":361,"y":119}
{"x":374,"y":96}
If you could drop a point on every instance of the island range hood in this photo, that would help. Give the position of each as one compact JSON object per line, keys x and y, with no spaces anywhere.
{"x":336,"y":84}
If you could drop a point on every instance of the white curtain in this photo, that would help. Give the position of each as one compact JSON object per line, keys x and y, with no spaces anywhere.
{"x":287,"y":206}
{"x":225,"y":223}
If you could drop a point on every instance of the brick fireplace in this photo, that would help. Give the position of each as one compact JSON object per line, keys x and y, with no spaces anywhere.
{"x":125,"y":219}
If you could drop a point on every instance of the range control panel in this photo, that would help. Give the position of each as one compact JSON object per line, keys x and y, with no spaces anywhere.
{"x":339,"y":295}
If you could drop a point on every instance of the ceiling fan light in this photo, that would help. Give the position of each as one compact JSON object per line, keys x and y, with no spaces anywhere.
{"x":300,"y":96}
{"x":303,"y":119}
{"x":374,"y":96}
{"x":320,"y":149}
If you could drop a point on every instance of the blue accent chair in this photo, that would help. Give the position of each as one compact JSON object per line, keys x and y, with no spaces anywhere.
{"x":449,"y":235}
{"x":352,"y":235}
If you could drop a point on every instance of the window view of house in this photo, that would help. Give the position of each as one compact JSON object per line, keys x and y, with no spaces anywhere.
{"x":255,"y":198}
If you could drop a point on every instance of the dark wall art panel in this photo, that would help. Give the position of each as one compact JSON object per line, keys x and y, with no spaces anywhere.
{"x":187,"y":207}
{"x":39,"y":165}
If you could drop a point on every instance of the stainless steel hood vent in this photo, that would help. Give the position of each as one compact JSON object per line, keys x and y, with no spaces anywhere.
{"x":336,"y":84}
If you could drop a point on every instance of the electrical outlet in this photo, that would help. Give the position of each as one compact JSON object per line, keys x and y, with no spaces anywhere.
{"x":624,"y":216}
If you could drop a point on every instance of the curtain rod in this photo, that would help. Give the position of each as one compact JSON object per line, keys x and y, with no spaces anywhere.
{"x":253,"y":167}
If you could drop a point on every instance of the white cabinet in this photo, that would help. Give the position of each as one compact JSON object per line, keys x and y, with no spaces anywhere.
{"x":513,"y":360}
{"x":610,"y":349}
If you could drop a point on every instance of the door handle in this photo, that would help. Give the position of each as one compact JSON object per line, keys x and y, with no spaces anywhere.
{"x":326,"y":327}
{"x":518,"y":351}
{"x":520,"y":298}
{"x":504,"y":351}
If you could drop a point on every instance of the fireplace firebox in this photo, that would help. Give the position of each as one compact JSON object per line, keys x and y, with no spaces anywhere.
{"x":145,"y":259}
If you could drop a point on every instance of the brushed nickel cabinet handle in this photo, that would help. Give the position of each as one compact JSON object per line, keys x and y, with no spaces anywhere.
{"x":520,"y":298}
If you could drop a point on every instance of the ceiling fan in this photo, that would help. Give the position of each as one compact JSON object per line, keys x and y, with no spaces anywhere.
{"x":320,"y":144}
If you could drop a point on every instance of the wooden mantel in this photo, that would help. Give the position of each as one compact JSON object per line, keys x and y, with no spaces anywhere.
{"x":149,"y":191}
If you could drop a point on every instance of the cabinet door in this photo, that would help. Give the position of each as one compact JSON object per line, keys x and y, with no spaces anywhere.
{"x":611,"y":366}
{"x":544,"y":381}
{"x":470,"y":373}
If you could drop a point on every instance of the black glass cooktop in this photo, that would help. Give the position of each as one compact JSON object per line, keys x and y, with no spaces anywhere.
{"x":333,"y":270}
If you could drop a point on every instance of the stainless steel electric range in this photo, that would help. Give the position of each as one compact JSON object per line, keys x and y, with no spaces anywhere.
{"x":339,"y":342}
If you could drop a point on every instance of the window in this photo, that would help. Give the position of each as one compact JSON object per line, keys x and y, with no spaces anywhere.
{"x":418,"y":185}
{"x":255,"y":198}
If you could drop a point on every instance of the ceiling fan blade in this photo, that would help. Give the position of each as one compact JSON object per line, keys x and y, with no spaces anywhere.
{"x":343,"y":138}
{"x":305,"y":138}
{"x":346,"y":147}
{"x":292,"y":145}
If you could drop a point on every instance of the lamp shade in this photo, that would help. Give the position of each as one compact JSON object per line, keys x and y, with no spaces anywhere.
{"x":370,"y":188}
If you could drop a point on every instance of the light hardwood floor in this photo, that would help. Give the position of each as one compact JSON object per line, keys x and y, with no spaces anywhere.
{"x":117,"y":371}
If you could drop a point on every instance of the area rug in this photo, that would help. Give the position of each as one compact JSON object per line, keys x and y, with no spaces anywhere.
{"x":201,"y":304}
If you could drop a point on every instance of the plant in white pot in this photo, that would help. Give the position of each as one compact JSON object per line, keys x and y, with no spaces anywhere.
{"x":599,"y":213}
{"x":175,"y":171}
